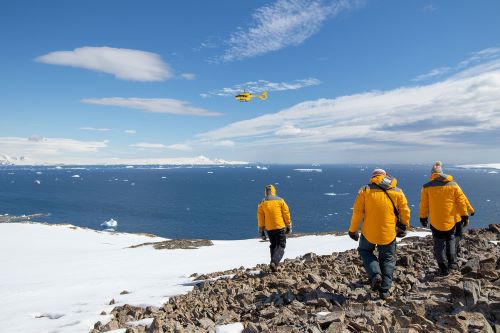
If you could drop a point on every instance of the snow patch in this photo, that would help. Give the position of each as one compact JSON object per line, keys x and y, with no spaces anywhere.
{"x":230,"y":328}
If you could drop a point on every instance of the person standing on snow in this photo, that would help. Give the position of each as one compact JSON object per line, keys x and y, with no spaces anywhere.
{"x":441,"y":201}
{"x":273,"y":216}
{"x":383,"y":208}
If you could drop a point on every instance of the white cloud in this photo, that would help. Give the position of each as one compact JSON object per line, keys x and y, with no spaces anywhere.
{"x":436,"y":72}
{"x":474,"y":58}
{"x":95,"y":129}
{"x":36,"y":146}
{"x":264,"y":85}
{"x":430,"y":8}
{"x":124,"y":64}
{"x":154,"y":105}
{"x":147,"y":145}
{"x":225,"y":143}
{"x":188,"y":76}
{"x":180,"y":146}
{"x":451,"y":113}
{"x":479,"y":56}
{"x":281,"y":24}
{"x":130,"y":131}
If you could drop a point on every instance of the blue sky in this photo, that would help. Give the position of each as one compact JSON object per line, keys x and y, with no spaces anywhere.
{"x":348,"y":81}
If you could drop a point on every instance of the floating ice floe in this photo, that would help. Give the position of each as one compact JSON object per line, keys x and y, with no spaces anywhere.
{"x":210,"y":172}
{"x":261,"y":167}
{"x":112,"y":223}
{"x":37,"y":182}
{"x":308,"y":170}
{"x":129,"y":167}
{"x":333,"y":194}
{"x":75,"y":176}
{"x":163,"y":177}
{"x":493,"y":171}
{"x":39,"y":172}
{"x":58,"y":167}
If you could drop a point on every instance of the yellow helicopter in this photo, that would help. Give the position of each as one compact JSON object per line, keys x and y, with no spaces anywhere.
{"x":246,"y":96}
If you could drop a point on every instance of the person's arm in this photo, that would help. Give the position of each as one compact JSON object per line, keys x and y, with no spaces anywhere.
{"x":285,"y":212}
{"x":460,"y":202}
{"x":470,"y":209}
{"x":424,"y":203}
{"x":261,"y":218}
{"x":358,"y":211}
{"x":404,"y":210}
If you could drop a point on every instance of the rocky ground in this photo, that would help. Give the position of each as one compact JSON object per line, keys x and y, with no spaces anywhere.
{"x":331,"y":294}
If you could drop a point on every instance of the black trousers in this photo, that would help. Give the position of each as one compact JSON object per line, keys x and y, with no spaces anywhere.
{"x":459,"y":231}
{"x":278,"y":243}
{"x":444,"y":246}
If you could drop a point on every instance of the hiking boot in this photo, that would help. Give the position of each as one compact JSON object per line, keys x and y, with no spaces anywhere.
{"x":273,"y":267}
{"x":376,"y":282}
{"x":443,"y":270}
{"x":384,"y":294}
{"x":454,"y":266}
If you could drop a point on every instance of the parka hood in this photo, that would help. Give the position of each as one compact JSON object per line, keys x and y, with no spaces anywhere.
{"x":269,"y":190}
{"x":385,"y":182}
{"x":441,"y":177}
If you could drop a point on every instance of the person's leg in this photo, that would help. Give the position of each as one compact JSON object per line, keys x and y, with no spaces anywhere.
{"x":451,"y":254}
{"x":370,"y":261}
{"x":279,"y":249}
{"x":387,"y":259}
{"x":272,"y":240}
{"x":440,"y":250}
{"x":458,"y":237}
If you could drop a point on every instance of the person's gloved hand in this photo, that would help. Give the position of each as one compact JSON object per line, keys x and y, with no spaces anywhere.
{"x":262,"y":234}
{"x":354,"y":235}
{"x":400,"y":230}
{"x":424,"y":221}
{"x":288,"y":229}
{"x":465,"y":220}
{"x":472,"y":214}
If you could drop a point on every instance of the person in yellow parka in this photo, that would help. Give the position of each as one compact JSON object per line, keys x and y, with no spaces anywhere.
{"x":383,"y":208}
{"x":459,"y":226}
{"x":441,"y":201}
{"x":273,"y":216}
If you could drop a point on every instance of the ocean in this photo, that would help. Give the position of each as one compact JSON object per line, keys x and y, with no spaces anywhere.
{"x":217,"y":202}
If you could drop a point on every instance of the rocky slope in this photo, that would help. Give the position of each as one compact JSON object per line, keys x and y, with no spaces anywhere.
{"x":331,"y":294}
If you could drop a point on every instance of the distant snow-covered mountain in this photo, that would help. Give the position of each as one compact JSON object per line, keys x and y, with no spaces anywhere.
{"x":10,"y":160}
{"x":197,"y":160}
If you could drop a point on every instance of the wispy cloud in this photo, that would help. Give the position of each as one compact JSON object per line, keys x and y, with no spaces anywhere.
{"x":449,"y":113}
{"x":40,"y":146}
{"x":95,"y":129}
{"x":263,"y":85}
{"x":130,"y":131}
{"x":180,"y":146}
{"x":281,"y":24}
{"x":188,"y":76}
{"x":147,"y":145}
{"x":154,"y":105}
{"x":436,"y":72}
{"x":480,"y":56}
{"x":430,"y":8}
{"x":124,"y":64}
{"x":475,"y":58}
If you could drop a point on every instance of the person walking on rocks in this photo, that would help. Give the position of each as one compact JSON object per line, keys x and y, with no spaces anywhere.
{"x":273,"y":216}
{"x":441,"y":201}
{"x":383,"y":209}
{"x":459,"y":226}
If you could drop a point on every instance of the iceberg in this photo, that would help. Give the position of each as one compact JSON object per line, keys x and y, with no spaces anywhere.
{"x":308,"y":170}
{"x":111,"y":223}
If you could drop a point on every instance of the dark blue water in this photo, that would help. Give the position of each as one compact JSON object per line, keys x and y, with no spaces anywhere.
{"x":215,"y":202}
